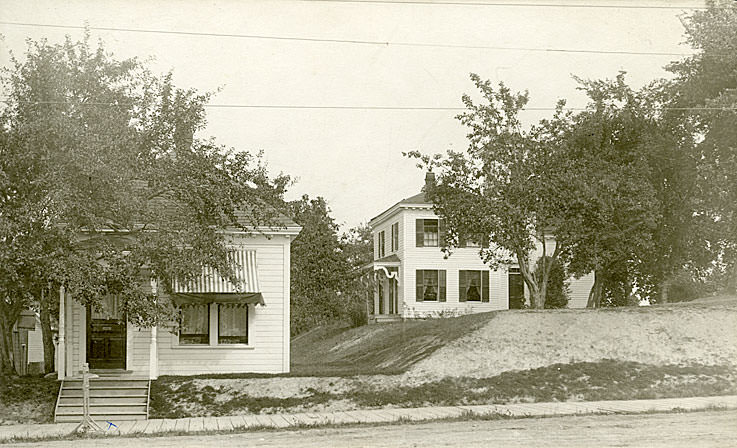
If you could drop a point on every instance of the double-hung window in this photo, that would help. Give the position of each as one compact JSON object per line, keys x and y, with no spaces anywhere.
{"x":430,"y":285}
{"x":473,"y":286}
{"x":429,"y":232}
{"x":381,"y":250}
{"x":213,"y":324}
{"x":395,"y":237}
{"x":194,"y":325}
{"x":232,"y":323}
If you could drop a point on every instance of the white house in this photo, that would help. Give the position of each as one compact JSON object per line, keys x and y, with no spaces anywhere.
{"x":224,"y":328}
{"x":415,"y":279}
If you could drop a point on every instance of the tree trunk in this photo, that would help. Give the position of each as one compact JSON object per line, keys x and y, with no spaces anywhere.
{"x":630,"y":299}
{"x":732,"y":286}
{"x":8,"y":316}
{"x":48,"y":337}
{"x":664,"y":290}
{"x":595,"y":292}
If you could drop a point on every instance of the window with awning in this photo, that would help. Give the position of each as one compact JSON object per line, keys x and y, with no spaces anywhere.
{"x":214,"y":310}
{"x":210,"y":287}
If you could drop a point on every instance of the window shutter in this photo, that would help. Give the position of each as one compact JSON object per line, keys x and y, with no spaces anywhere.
{"x":461,"y":286}
{"x":441,"y":233}
{"x":420,"y":232}
{"x":419,"y":290}
{"x":485,"y":286}
{"x":441,"y":285}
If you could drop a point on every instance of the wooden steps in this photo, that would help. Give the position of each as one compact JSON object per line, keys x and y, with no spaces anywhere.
{"x":112,"y":399}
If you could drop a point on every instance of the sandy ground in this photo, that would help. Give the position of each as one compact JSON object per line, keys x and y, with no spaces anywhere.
{"x":701,"y":429}
{"x":705,"y":335}
{"x":530,"y":339}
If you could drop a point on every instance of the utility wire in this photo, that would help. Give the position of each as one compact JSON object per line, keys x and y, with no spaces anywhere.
{"x":347,"y":41}
{"x":513,"y":4}
{"x":349,"y":107}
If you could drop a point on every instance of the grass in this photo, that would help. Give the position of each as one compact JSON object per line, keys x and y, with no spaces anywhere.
{"x":384,"y":349}
{"x":28,"y":399}
{"x":583,"y":381}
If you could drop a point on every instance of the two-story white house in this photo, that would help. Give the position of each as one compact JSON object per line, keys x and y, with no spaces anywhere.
{"x":415,"y":279}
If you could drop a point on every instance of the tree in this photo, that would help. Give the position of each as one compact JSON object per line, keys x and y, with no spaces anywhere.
{"x":104,"y":184}
{"x":612,"y":209}
{"x":702,"y":100}
{"x":556,"y":294}
{"x":508,"y":186}
{"x":318,"y":268}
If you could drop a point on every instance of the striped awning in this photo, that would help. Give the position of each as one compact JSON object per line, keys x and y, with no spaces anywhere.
{"x":211,"y":287}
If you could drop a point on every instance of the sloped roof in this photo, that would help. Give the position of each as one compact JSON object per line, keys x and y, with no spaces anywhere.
{"x":418,"y":199}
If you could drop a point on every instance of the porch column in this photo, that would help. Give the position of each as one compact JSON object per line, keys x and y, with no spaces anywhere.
{"x":61,"y":345}
{"x":153,"y":353}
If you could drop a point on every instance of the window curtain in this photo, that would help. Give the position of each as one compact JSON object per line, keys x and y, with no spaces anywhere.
{"x":233,"y":323}
{"x":195,"y":324}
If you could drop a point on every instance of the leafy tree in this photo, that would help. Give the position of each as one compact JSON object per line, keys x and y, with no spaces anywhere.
{"x":318,"y":266}
{"x":508,"y":185}
{"x":612,"y":209}
{"x":104,"y":184}
{"x":702,"y":100}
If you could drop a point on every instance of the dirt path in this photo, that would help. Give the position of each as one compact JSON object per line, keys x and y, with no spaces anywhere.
{"x":700,"y":429}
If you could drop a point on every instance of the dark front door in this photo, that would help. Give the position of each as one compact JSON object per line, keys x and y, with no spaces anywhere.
{"x":516,"y":290}
{"x":106,"y":336}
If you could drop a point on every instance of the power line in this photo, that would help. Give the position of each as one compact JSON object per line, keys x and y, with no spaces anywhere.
{"x":350,"y":107}
{"x":346,"y":41}
{"x":513,"y":4}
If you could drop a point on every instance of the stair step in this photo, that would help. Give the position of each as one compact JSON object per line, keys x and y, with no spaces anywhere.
{"x":133,"y":392}
{"x":67,"y":409}
{"x":109,"y":401}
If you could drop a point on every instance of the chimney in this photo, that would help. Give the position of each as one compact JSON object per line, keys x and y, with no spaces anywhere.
{"x":429,"y":180}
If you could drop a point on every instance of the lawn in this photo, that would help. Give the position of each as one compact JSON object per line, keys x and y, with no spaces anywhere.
{"x":28,"y":400}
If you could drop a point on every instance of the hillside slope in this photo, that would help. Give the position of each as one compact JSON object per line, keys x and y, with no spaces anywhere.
{"x":484,"y":345}
{"x":680,"y":334}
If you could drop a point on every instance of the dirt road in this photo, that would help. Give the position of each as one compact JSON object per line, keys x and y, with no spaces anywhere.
{"x":698,"y":429}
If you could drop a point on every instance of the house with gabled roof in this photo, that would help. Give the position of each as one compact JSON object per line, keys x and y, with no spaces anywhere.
{"x":224,"y":328}
{"x":415,"y":279}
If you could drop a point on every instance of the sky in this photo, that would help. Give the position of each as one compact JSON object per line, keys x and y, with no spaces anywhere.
{"x":401,"y":54}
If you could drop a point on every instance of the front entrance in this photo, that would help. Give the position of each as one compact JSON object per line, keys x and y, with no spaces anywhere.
{"x":106,"y":335}
{"x":516,"y":289}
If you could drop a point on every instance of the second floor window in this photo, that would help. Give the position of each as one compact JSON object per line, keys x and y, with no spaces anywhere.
{"x":395,"y":237}
{"x":429,"y":232}
{"x":382,"y":245}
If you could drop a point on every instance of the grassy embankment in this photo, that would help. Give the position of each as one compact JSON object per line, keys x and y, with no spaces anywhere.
{"x":502,"y":357}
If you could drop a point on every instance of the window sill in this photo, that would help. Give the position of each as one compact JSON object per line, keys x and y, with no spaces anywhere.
{"x":214,"y":347}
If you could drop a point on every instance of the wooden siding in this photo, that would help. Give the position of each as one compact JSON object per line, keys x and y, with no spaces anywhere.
{"x":268,"y":348}
{"x":268,"y":337}
{"x":415,"y":258}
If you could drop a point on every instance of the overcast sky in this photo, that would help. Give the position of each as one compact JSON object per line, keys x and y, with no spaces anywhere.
{"x":353,"y":158}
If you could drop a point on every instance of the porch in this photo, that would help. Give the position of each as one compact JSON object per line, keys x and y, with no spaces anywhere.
{"x":386,"y":295}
